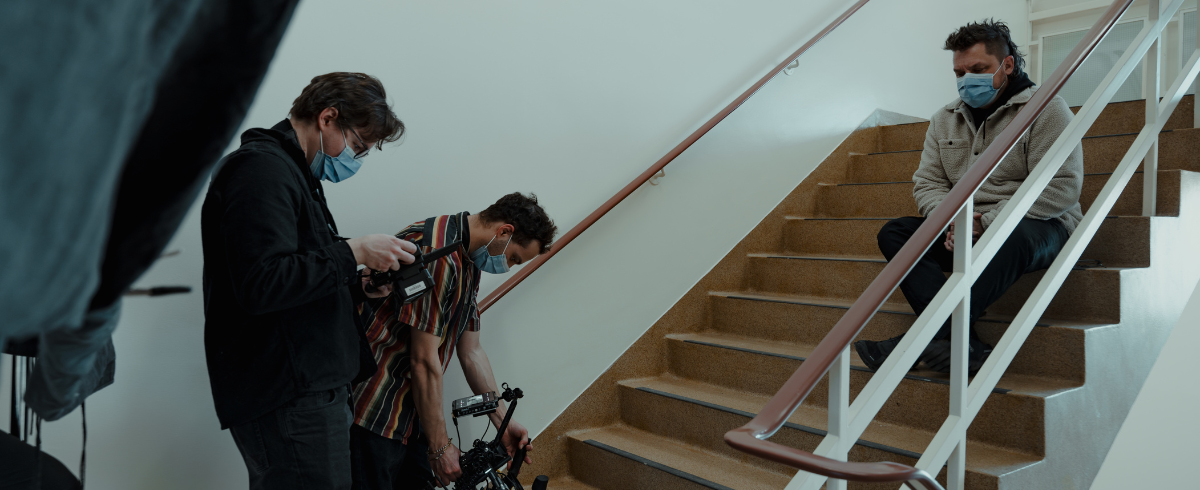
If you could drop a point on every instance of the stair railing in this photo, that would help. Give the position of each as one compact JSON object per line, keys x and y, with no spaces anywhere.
{"x":658,"y":166}
{"x":826,"y":464}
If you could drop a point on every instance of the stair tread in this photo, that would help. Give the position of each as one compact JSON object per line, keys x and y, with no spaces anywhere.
{"x":1014,"y":383}
{"x":897,"y":308}
{"x":905,"y":441}
{"x":564,"y":483}
{"x":685,"y":458}
{"x":873,"y":260}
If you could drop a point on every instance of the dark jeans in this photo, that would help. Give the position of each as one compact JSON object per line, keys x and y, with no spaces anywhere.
{"x":304,"y":444}
{"x":1033,"y":245}
{"x":19,"y":464}
{"x":384,"y":464}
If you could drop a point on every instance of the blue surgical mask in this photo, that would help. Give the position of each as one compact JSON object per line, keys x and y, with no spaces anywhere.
{"x":334,"y":169}
{"x":495,"y":264}
{"x":976,"y":88}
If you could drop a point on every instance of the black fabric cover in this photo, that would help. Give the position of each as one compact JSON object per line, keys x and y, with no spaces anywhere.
{"x":113,"y":114}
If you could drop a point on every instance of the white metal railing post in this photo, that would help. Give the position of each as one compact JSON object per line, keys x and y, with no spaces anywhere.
{"x":1195,"y":83}
{"x":839,"y":408}
{"x":1150,"y":163}
{"x":960,"y":319}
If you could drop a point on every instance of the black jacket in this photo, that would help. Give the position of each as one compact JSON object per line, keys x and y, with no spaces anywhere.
{"x":278,"y":282}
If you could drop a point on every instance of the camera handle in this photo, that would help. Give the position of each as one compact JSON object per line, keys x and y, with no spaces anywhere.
{"x":510,"y":395}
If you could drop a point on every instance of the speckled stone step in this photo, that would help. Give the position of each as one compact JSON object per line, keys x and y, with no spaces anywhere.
{"x":1055,"y":349}
{"x":1122,"y":241}
{"x":894,"y":199}
{"x":699,"y":414}
{"x":1014,"y":411}
{"x":1117,"y":118}
{"x":1101,"y":154}
{"x":624,"y":458}
{"x":1091,"y":295}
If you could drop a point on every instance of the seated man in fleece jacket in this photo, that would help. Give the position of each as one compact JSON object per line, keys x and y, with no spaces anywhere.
{"x":992,"y":87}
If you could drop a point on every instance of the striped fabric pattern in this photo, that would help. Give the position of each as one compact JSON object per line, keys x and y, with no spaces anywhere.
{"x":384,"y":404}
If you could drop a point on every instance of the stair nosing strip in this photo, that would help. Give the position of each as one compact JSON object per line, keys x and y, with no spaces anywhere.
{"x":874,"y":183}
{"x":998,"y":391}
{"x":805,"y":303}
{"x":656,"y":465}
{"x":840,"y":219}
{"x":1121,"y":134}
{"x":790,"y":425}
{"x":815,"y":257}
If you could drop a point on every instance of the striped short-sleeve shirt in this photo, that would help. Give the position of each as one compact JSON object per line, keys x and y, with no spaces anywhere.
{"x":384,"y":404}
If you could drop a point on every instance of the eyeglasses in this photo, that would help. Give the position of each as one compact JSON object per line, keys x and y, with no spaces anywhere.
{"x":366,"y":149}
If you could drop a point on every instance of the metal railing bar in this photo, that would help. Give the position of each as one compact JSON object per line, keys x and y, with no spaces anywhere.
{"x":612,"y":202}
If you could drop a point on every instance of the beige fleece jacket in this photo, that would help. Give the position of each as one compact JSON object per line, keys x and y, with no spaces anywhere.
{"x":952,"y":144}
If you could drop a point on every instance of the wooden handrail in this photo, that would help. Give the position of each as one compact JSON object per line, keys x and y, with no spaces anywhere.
{"x":591,"y":219}
{"x":750,"y":438}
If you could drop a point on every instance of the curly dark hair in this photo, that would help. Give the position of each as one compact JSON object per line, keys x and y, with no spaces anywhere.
{"x":527,"y":217}
{"x":995,"y":37}
{"x":360,"y":101}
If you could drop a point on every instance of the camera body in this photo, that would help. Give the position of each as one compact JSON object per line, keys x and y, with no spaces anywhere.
{"x":411,"y":281}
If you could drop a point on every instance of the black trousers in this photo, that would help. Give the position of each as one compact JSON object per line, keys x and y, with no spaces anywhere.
{"x":303,"y":445}
{"x":1033,"y":245}
{"x":19,"y":465}
{"x":380,"y":463}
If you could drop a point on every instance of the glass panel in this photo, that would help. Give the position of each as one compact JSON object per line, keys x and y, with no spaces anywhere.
{"x":1088,"y":77}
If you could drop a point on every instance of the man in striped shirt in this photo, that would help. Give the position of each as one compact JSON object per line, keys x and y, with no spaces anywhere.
{"x":399,"y":433}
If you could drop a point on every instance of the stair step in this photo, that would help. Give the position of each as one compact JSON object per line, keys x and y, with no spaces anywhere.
{"x":562,"y":483}
{"x":1014,"y":410}
{"x":1087,"y":296}
{"x":622,"y":457}
{"x":1129,"y":116}
{"x":894,"y":199}
{"x":1122,"y":241}
{"x":1116,"y":118}
{"x":1053,"y":350}
{"x":1100,"y":154}
{"x":699,"y":414}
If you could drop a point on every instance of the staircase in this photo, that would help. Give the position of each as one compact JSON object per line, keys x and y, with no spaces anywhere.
{"x":656,"y":418}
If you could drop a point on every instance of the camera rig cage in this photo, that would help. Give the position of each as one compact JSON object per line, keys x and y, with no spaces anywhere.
{"x":485,"y":461}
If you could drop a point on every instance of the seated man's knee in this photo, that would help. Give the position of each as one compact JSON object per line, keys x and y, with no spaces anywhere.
{"x":892,"y":236}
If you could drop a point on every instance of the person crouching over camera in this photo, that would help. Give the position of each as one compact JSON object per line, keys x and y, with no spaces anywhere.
{"x":399,"y":437}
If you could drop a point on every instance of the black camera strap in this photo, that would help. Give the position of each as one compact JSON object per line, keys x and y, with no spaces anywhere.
{"x":442,"y":252}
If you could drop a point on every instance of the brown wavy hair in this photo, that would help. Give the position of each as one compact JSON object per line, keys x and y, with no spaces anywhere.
{"x":360,"y":101}
{"x":527,"y":217}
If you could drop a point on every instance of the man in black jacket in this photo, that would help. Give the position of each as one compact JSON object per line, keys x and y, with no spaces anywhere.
{"x":280,"y":285}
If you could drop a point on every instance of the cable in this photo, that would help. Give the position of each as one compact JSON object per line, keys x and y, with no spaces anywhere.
{"x":37,"y":465}
{"x":83,"y":452}
{"x":456,"y":432}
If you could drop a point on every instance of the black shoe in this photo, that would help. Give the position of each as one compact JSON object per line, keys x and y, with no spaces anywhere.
{"x":937,"y":356}
{"x":873,"y":353}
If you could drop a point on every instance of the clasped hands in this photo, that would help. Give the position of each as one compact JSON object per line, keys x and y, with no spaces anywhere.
{"x":976,"y":231}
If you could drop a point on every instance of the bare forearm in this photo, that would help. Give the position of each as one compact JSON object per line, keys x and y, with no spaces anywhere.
{"x":427,"y":390}
{"x":478,"y":371}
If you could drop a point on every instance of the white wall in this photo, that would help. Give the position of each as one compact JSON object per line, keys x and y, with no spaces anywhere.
{"x":1156,"y":447}
{"x":568,"y":100}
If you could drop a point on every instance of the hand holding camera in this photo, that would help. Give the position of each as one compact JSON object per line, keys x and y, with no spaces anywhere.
{"x":382,"y":252}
